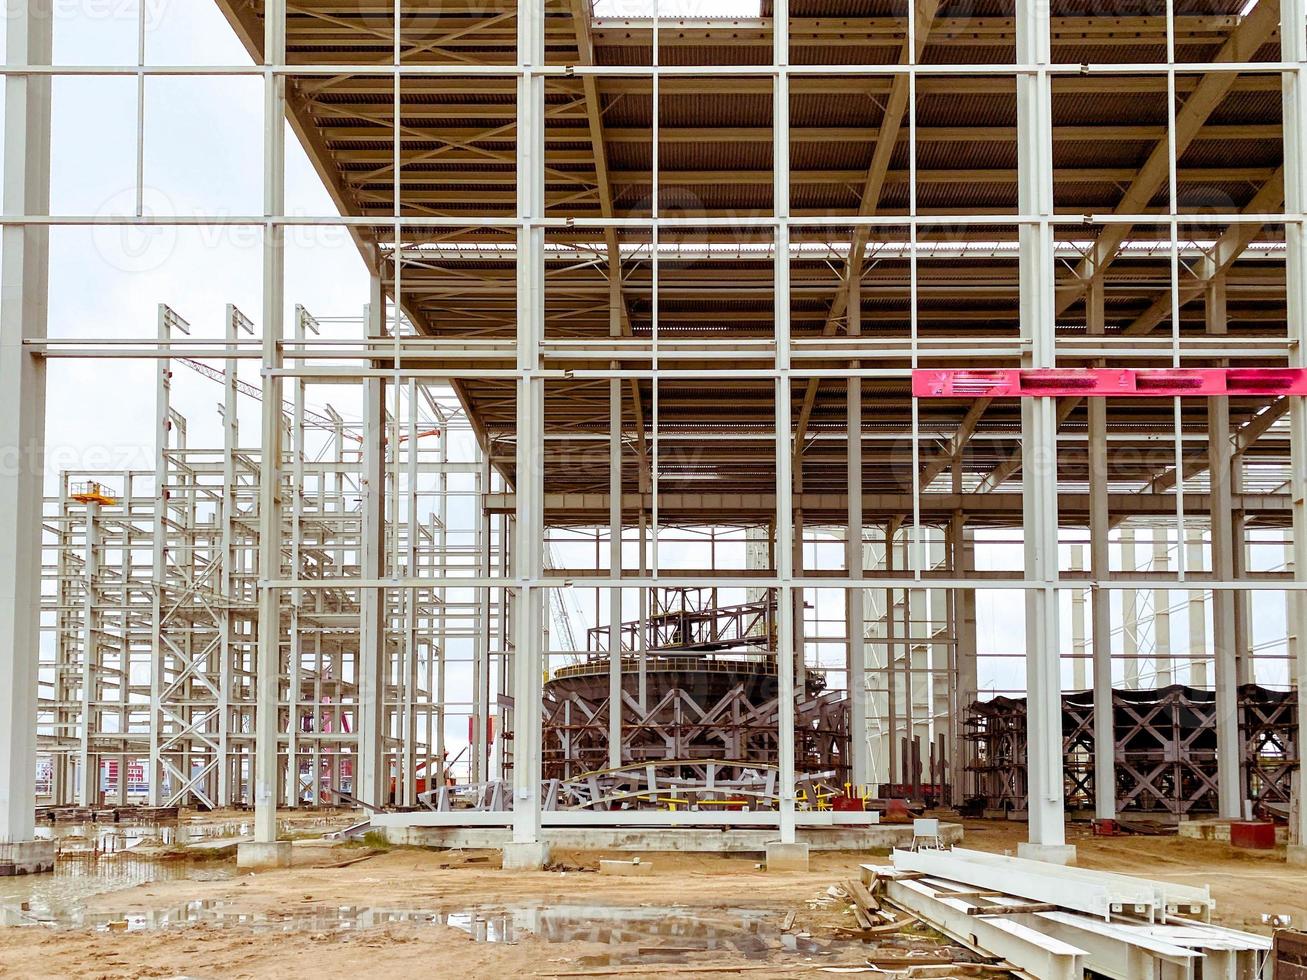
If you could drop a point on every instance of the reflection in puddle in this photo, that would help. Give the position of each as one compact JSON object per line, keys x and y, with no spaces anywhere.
{"x":53,"y":898}
{"x":667,"y":931}
{"x":649,"y":933}
{"x":110,"y":837}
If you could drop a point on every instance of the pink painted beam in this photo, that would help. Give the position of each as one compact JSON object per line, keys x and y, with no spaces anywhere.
{"x":1108,"y":382}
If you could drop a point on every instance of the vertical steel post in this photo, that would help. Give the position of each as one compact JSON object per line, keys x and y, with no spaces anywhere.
{"x":1162,"y":665}
{"x":88,"y":761}
{"x":614,"y":526}
{"x":480,"y":769}
{"x":1130,"y":612}
{"x":859,"y":747}
{"x":159,"y":563}
{"x":785,"y":643}
{"x":24,"y":278}
{"x":369,"y":773}
{"x":529,"y":662}
{"x":1039,"y":426}
{"x":267,"y":715}
{"x":1293,"y":50}
{"x":1225,"y":649}
{"x":1100,"y":599}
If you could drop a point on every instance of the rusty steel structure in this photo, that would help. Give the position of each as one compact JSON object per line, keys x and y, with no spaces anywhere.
{"x":1164,"y":744}
{"x":705,"y":690}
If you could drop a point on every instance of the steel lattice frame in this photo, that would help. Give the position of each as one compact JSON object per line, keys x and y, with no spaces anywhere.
{"x":1164,"y":747}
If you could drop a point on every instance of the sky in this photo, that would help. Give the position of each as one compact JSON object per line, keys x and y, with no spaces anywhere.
{"x":203,"y":155}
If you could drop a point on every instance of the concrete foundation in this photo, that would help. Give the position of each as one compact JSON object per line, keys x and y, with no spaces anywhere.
{"x":1052,"y":853}
{"x":525,"y":857}
{"x":263,"y":856}
{"x":27,"y":857}
{"x":1219,"y":830}
{"x":787,"y":857}
{"x":1296,"y":855}
{"x":650,"y":839}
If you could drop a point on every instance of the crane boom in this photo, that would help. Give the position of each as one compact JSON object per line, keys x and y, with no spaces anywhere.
{"x":245,"y":388}
{"x":317,"y":418}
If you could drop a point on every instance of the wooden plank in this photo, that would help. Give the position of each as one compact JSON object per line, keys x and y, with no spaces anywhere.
{"x":858,"y":891}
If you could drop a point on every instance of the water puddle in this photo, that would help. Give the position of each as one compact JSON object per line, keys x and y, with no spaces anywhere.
{"x":663,"y":934}
{"x":55,"y":898}
{"x":110,"y":837}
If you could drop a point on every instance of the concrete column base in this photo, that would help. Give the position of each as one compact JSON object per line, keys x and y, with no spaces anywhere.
{"x":787,"y":857}
{"x":1052,"y":853}
{"x":263,"y":855}
{"x":28,"y":857}
{"x":1296,"y":855}
{"x":531,"y":856}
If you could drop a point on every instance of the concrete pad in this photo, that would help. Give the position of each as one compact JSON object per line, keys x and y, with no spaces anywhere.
{"x":1052,"y":853}
{"x":27,"y":857}
{"x":646,"y":840}
{"x":263,"y":855}
{"x":531,"y":856}
{"x":218,"y":847}
{"x":787,"y":857}
{"x":1296,"y":855}
{"x":627,"y":868}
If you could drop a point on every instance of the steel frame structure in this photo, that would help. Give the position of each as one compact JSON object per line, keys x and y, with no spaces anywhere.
{"x":680,"y":274}
{"x":1164,"y":750}
{"x":149,"y":608}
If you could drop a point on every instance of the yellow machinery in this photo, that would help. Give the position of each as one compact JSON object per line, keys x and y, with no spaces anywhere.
{"x":93,"y":493}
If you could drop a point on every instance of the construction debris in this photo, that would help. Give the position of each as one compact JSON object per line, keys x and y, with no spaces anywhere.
{"x":1050,"y":922}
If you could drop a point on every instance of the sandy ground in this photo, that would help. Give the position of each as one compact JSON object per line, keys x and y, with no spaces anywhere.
{"x":1245,"y":884}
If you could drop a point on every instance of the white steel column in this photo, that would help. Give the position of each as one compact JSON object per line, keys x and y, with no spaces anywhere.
{"x":24,"y":278}
{"x":1293,"y":47}
{"x":159,"y":563}
{"x":88,"y":761}
{"x":615,"y":541}
{"x":1100,"y":605}
{"x":1079,"y":639}
{"x":1197,"y":676}
{"x":527,"y":849}
{"x":1225,"y":652}
{"x":1100,"y":599}
{"x":859,"y":747}
{"x":268,"y":682}
{"x":480,"y":769}
{"x":1039,"y":425}
{"x":787,"y":853}
{"x":1162,"y":670}
{"x":1130,"y":613}
{"x":371,"y":664}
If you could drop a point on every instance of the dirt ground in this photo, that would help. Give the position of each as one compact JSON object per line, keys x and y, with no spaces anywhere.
{"x":1245,"y":885}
